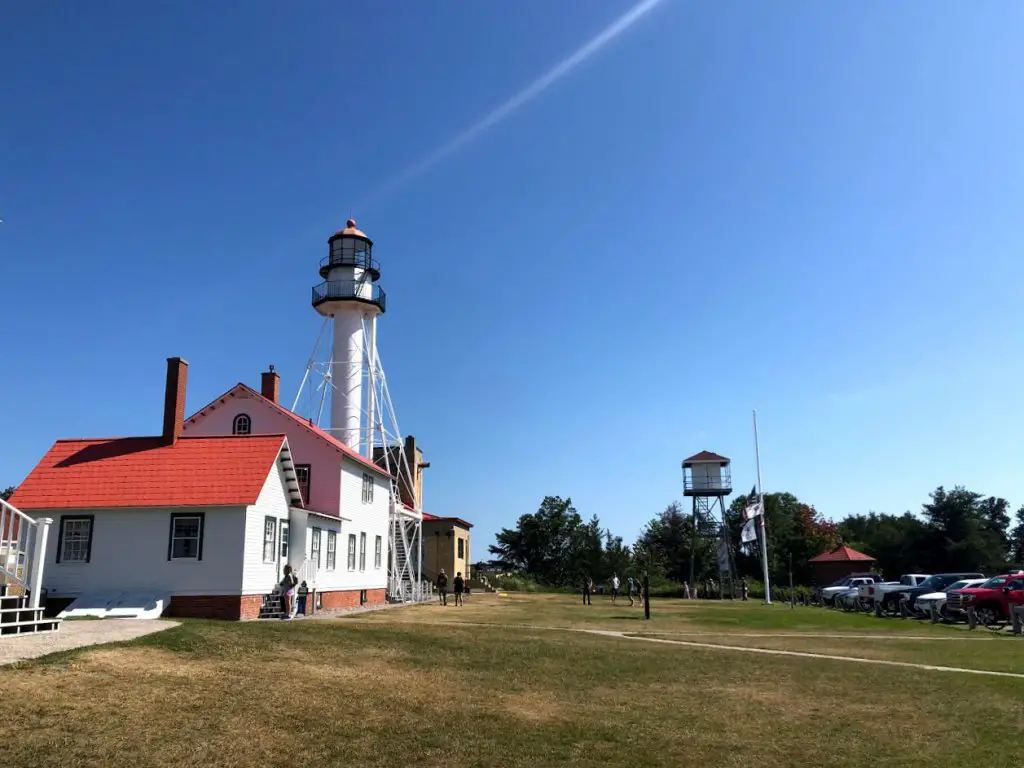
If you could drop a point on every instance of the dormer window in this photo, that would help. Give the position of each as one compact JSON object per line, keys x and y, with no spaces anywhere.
{"x":242,"y":425}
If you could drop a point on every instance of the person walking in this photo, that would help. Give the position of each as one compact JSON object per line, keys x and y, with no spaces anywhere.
{"x":686,"y":590}
{"x":442,"y":587}
{"x":744,"y":589}
{"x":588,"y":587}
{"x":630,"y":586}
{"x":460,"y":585}
{"x":615,"y":588}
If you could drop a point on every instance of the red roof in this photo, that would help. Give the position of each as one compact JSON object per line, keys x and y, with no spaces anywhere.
{"x":335,"y":442}
{"x":427,"y":517}
{"x":148,"y":472}
{"x":842,"y":554}
{"x":704,"y":456}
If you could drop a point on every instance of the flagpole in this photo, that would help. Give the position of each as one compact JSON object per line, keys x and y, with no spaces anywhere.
{"x":764,"y":534}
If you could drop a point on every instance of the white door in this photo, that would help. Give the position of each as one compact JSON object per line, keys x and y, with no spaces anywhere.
{"x":282,"y":549}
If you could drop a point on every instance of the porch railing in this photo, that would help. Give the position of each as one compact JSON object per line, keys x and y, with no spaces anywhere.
{"x":307,"y":572}
{"x":23,"y":550}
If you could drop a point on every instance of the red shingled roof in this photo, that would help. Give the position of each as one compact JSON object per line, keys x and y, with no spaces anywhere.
{"x":352,"y":454}
{"x":149,"y":472}
{"x":704,"y":456}
{"x":842,"y":554}
{"x":427,"y":517}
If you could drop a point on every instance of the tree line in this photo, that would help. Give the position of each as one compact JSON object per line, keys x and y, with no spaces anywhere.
{"x":956,"y":530}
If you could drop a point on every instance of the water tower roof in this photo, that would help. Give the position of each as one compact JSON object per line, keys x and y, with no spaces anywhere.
{"x":350,"y":229}
{"x":705,"y":457}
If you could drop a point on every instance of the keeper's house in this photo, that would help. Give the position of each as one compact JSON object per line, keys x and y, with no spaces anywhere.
{"x":202,"y":524}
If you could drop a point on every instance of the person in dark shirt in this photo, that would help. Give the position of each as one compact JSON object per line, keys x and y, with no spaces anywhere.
{"x":588,"y":587}
{"x":442,"y":587}
{"x":460,"y":586}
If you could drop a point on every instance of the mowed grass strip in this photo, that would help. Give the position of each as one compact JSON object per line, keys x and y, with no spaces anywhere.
{"x":380,"y":690}
{"x":713,"y":616}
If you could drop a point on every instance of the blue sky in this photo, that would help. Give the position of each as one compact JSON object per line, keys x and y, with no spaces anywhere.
{"x":808,"y":208}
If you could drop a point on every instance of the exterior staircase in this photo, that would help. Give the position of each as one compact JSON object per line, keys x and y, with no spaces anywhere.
{"x":22,"y":557}
{"x":17,"y":617}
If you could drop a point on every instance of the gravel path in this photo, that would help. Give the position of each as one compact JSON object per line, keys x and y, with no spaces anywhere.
{"x":77,"y":634}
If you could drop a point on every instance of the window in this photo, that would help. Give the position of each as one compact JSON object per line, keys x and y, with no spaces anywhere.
{"x":302,"y":475}
{"x":314,"y":547}
{"x":284,"y":540}
{"x":376,"y":552}
{"x":351,"y":551}
{"x":332,"y":550}
{"x":74,"y":545}
{"x":362,"y":551}
{"x":462,"y":544}
{"x":186,"y":540}
{"x":1014,"y":584}
{"x":367,"y":489}
{"x":242,"y":425}
{"x":269,"y":539}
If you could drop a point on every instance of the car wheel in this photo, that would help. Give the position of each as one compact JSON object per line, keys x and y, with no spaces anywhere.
{"x":988,"y":615}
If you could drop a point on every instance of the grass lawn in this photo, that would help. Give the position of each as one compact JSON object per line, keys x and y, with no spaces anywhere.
{"x":493,"y":684}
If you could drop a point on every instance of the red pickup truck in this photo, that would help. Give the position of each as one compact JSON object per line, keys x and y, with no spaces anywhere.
{"x":992,"y":600}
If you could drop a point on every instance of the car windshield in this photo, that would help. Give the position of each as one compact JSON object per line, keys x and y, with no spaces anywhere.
{"x":934,"y":582}
{"x":995,"y":581}
{"x":958,"y":585}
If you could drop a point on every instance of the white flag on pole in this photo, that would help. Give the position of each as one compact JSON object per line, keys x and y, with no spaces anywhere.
{"x":754,"y":506}
{"x":749,"y":533}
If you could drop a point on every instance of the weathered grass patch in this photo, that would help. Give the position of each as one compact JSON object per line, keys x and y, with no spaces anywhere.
{"x":422,"y":687}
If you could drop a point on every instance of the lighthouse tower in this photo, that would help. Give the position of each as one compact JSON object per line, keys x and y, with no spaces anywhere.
{"x":352,"y":299}
{"x":361,"y":412}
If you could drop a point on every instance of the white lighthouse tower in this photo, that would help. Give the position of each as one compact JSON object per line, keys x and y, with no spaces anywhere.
{"x":361,"y":412}
{"x":352,"y":299}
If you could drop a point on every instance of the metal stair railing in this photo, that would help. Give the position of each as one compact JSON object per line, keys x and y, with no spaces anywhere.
{"x":23,"y":550}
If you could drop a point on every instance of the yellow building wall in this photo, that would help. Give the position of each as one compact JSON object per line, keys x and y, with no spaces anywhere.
{"x":441,"y":541}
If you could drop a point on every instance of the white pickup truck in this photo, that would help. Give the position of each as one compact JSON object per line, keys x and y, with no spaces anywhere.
{"x":876,"y":593}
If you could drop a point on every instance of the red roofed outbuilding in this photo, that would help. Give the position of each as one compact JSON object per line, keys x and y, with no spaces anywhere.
{"x":838,"y":563}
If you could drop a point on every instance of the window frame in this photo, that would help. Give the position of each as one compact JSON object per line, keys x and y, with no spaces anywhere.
{"x":362,"y":550}
{"x":248,"y":423}
{"x":88,"y":543}
{"x":367,"y":488}
{"x":377,"y":547}
{"x":351,"y":552}
{"x":175,"y":517}
{"x":273,"y":539}
{"x":309,"y":475}
{"x":461,"y":547}
{"x":283,"y":541}
{"x":315,"y":538}
{"x":332,"y":550}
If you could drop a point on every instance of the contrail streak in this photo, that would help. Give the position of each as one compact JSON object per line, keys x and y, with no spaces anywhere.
{"x":502,"y":112}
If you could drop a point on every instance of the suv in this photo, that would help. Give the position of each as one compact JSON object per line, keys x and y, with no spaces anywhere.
{"x":992,"y":600}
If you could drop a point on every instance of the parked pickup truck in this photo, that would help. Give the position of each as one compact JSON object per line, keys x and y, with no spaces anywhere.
{"x":992,"y":600}
{"x":876,"y":593}
{"x":924,"y":602}
{"x":828,"y":594}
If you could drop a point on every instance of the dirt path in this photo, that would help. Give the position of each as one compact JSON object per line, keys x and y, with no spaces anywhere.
{"x":78,"y":634}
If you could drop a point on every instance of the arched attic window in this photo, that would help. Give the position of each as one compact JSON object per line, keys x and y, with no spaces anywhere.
{"x":242,"y":425}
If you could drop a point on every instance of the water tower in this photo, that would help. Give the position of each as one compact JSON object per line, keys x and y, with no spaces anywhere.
{"x":707,"y":480}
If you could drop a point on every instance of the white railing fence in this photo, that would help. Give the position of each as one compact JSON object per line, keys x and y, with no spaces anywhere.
{"x":307,"y":573}
{"x":23,"y":550}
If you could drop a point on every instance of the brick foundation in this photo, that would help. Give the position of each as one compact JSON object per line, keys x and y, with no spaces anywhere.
{"x":231,"y":607}
{"x":349,"y":598}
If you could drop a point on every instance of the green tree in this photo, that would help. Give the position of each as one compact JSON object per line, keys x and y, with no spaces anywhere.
{"x":7,"y":492}
{"x":666,"y":543}
{"x":553,"y":545}
{"x":1017,"y":539}
{"x":963,"y":539}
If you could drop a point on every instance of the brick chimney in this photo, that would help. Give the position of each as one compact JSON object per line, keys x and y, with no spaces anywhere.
{"x":270,"y":387}
{"x":174,"y":399}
